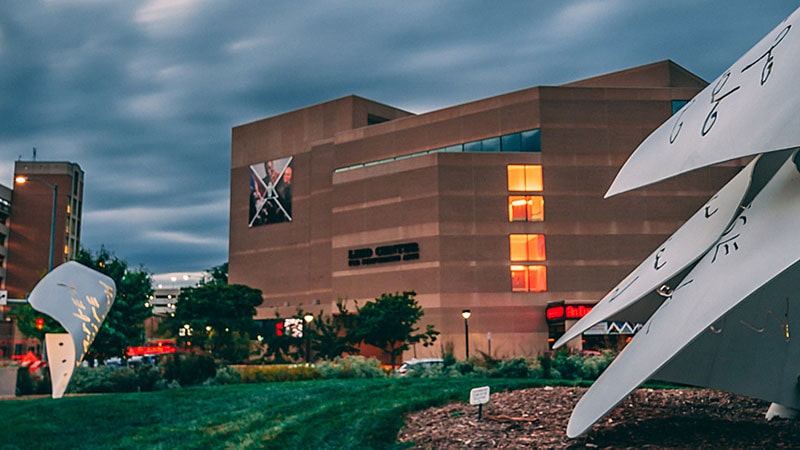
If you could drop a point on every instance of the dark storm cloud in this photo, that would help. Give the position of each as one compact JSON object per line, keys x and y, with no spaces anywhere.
{"x":143,"y":95}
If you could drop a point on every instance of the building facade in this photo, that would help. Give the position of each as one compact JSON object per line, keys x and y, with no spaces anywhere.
{"x":46,"y":221}
{"x":42,"y":232}
{"x":494,"y":206}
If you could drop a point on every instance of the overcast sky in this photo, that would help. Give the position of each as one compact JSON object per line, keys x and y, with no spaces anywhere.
{"x":143,"y":94}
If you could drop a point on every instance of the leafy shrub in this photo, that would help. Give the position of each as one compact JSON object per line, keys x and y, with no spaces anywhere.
{"x":124,"y":380}
{"x":594,"y":365}
{"x":148,"y":377}
{"x":546,"y":366}
{"x":512,"y":368}
{"x":33,"y":383}
{"x":282,"y":372}
{"x":569,"y":366}
{"x":91,"y":380}
{"x":351,"y":367}
{"x":189,"y":369}
{"x":225,"y":375}
{"x":104,"y":379}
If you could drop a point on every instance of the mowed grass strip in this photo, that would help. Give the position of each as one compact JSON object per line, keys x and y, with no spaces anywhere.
{"x":357,"y":413}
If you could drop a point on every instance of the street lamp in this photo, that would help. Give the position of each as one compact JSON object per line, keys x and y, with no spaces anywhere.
{"x":22,"y":180}
{"x":465,"y":314}
{"x":308,"y":318}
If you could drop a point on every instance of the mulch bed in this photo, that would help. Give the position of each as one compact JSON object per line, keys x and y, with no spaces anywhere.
{"x":652,"y":418}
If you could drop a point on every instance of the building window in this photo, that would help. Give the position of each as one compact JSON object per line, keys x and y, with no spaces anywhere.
{"x":525,"y":178}
{"x":525,"y":208}
{"x":528,"y":278}
{"x":527,"y":247}
{"x":678,"y":104}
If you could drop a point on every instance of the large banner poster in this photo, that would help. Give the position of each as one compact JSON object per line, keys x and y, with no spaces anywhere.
{"x":271,"y":192}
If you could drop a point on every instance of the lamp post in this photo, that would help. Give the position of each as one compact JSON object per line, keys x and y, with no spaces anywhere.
{"x":307,"y":334}
{"x":22,"y":180}
{"x":465,"y":314}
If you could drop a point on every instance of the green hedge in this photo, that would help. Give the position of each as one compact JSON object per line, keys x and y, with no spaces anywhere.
{"x":194,"y":369}
{"x":278,"y":372}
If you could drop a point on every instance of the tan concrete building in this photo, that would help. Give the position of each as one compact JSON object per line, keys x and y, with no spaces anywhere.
{"x":495,"y":206}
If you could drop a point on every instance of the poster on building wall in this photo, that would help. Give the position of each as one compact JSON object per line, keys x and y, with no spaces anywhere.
{"x":271,"y":192}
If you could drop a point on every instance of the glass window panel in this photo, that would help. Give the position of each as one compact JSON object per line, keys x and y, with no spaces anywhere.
{"x":519,"y":279}
{"x":516,"y":178}
{"x":533,"y":178}
{"x":518,"y":210}
{"x":677,"y":105}
{"x":491,"y":144}
{"x":537,"y":278}
{"x":474,"y":146}
{"x":535,"y":208}
{"x":531,"y":141}
{"x":511,"y":142}
{"x":536,"y":247}
{"x":518,"y":247}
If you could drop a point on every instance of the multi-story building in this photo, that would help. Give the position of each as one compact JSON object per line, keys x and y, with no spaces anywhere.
{"x":41,"y":232}
{"x":46,"y":221}
{"x":494,"y":206}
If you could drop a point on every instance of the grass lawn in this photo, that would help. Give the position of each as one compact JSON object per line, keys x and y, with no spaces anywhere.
{"x":358,"y":413}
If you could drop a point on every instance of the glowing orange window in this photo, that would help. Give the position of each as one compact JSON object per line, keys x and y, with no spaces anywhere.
{"x":519,"y":279}
{"x":528,"y":278}
{"x":525,"y":208}
{"x":526,"y":247}
{"x":525,"y":178}
{"x":537,"y":278}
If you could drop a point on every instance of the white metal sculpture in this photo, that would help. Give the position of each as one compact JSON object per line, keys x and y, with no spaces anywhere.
{"x":722,"y":292}
{"x":79,"y":299}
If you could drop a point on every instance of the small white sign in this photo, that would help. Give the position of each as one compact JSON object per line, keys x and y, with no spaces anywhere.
{"x":479,"y":396}
{"x":3,"y":297}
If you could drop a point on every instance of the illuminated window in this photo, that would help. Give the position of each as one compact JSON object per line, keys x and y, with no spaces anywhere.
{"x":525,"y":208}
{"x":525,"y":178}
{"x":527,"y":247}
{"x":528,"y":278}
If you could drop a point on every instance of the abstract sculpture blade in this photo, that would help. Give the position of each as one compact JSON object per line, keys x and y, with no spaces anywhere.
{"x":730,"y":299}
{"x":79,"y":299}
{"x":751,"y":108}
{"x":680,"y":250}
{"x":760,"y":245}
{"x":60,"y":360}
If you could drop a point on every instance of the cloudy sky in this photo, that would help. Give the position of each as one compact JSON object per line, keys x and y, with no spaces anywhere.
{"x":143,"y":94}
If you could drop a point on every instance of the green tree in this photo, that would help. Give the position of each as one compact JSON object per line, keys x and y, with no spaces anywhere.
{"x":389,"y":323}
{"x":219,"y":274}
{"x":331,"y":335}
{"x":26,"y":316}
{"x":124,"y":325}
{"x":283,"y":347}
{"x":220,"y":317}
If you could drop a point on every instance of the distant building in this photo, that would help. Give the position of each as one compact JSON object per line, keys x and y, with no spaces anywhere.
{"x":166,"y":289}
{"x":494,"y":206}
{"x":41,"y":188}
{"x":29,"y":245}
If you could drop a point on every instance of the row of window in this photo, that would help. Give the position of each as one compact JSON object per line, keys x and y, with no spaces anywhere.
{"x":524,"y":179}
{"x":523,"y":141}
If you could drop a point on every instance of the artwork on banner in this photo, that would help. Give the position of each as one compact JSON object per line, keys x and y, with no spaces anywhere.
{"x":271,"y":192}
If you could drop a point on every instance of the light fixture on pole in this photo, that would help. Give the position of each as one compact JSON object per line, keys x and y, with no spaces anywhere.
{"x":22,"y":180}
{"x":307,"y":334}
{"x":465,"y":314}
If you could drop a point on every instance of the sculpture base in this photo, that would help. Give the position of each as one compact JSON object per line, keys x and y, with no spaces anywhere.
{"x":782,"y":412}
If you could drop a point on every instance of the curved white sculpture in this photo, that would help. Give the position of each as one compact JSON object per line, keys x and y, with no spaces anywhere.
{"x":79,"y":299}
{"x":728,"y":282}
{"x":752,"y":108}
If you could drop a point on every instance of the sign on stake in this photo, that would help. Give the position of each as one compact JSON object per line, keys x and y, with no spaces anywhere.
{"x":479,"y":396}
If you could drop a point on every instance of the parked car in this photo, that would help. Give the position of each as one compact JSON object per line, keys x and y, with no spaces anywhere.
{"x":417,"y":364}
